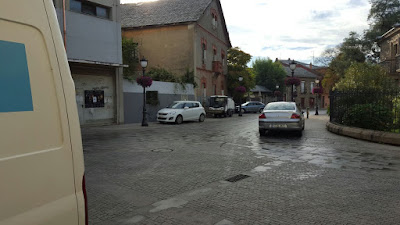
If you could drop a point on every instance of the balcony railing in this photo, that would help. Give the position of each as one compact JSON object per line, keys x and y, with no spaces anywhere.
{"x":217,"y":67}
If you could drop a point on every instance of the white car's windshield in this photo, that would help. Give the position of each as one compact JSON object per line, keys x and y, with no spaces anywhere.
{"x":176,"y":105}
{"x":280,"y":106}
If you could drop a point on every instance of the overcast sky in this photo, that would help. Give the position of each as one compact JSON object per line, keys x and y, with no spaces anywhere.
{"x":291,"y":28}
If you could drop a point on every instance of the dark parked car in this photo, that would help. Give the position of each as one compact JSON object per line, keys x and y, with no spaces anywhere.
{"x":251,"y":107}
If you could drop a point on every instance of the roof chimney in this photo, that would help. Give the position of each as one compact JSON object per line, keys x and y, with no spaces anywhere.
{"x":289,"y":59}
{"x":310,"y":65}
{"x":276,"y":59}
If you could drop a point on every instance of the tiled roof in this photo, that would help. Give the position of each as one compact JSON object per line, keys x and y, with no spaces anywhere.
{"x":302,"y":69}
{"x":162,"y":12}
{"x":299,"y":72}
{"x":259,"y":88}
{"x":300,"y":63}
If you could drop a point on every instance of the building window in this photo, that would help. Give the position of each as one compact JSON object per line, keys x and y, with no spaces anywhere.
{"x":89,"y":8}
{"x":214,"y":53}
{"x":215,"y":89}
{"x":312,"y":86}
{"x":204,"y":90}
{"x":214,"y":18}
{"x":223,"y":58}
{"x":152,"y":98}
{"x":204,"y":48}
{"x":395,"y":49}
{"x":75,"y":5}
{"x":302,"y":87}
{"x":102,"y":12}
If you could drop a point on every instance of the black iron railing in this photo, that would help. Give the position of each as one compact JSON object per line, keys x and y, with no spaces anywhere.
{"x":376,"y":110}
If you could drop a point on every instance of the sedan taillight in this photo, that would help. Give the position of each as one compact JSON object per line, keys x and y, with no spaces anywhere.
{"x":262,"y":116}
{"x":295,"y":116}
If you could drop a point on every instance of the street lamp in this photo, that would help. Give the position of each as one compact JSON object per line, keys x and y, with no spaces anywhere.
{"x":277,"y":89}
{"x":240,"y":98}
{"x":316,"y":107}
{"x":292,"y":66}
{"x":143,"y":63}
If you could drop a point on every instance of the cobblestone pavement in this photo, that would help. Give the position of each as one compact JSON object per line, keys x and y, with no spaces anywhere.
{"x":175,"y":174}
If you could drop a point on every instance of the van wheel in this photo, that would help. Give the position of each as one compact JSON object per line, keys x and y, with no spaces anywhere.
{"x":202,"y":118}
{"x":179,"y":119}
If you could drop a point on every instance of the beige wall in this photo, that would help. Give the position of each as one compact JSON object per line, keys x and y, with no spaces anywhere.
{"x":167,"y":47}
{"x":388,"y":57}
{"x":214,"y":37}
{"x":387,"y":44}
{"x":177,"y":48}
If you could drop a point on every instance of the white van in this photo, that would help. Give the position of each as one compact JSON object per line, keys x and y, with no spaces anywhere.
{"x":41,"y":157}
{"x":221,"y":105}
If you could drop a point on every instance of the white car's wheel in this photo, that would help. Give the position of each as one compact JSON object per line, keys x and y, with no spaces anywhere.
{"x":202,"y":118}
{"x":179,"y":119}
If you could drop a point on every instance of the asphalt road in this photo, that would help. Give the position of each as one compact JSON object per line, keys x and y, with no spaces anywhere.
{"x":176,"y":174}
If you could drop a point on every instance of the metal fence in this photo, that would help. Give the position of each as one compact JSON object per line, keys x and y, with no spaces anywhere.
{"x":376,"y":110}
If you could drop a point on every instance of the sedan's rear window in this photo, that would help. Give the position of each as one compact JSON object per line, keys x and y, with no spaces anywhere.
{"x":280,"y":106}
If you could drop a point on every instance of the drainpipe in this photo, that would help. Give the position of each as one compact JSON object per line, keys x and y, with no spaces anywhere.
{"x":64,"y":27}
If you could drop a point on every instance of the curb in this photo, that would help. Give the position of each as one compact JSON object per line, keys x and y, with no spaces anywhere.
{"x":364,"y":134}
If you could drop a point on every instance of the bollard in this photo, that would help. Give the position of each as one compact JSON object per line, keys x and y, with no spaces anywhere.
{"x":308,"y":112}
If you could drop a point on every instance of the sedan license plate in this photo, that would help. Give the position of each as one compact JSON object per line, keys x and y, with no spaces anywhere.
{"x":278,"y":126}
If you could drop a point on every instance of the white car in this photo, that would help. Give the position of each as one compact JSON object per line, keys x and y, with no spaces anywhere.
{"x":180,"y":111}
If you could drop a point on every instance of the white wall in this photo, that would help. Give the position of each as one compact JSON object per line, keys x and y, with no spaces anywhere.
{"x":161,"y":87}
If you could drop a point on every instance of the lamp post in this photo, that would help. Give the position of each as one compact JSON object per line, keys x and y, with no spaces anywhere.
{"x":240,"y":98}
{"x":143,"y":63}
{"x":277,"y":89}
{"x":316,"y":106}
{"x":292,"y":66}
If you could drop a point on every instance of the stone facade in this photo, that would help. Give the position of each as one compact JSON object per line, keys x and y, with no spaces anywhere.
{"x":390,"y":52}
{"x":200,"y":46}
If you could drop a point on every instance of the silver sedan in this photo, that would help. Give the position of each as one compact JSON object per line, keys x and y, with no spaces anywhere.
{"x":281,"y":116}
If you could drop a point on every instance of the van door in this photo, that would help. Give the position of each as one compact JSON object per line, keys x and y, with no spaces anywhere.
{"x":36,"y":162}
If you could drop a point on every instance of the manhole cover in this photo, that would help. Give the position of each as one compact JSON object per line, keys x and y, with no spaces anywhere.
{"x":237,"y":178}
{"x":162,"y":150}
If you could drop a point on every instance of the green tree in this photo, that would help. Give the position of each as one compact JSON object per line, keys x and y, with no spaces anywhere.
{"x":237,"y":66}
{"x":341,"y":57}
{"x":269,"y":73}
{"x":383,"y":15}
{"x":130,"y":58}
{"x":365,"y":77}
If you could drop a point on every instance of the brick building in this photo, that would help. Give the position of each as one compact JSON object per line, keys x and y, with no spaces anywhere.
{"x":182,"y":35}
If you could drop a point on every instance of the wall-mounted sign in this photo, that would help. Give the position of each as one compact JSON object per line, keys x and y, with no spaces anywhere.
{"x":94,"y":99}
